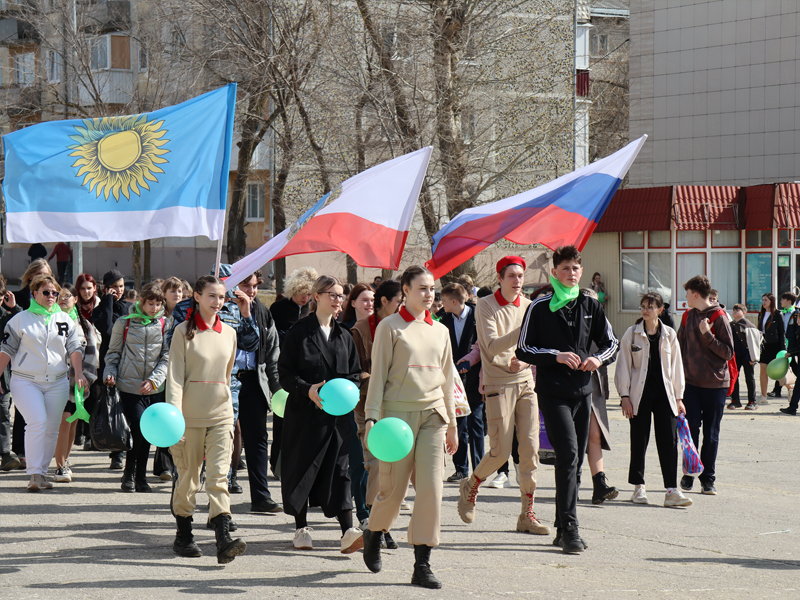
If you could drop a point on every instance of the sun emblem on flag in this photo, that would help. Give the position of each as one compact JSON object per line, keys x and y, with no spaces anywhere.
{"x":318,"y":206}
{"x":119,"y":154}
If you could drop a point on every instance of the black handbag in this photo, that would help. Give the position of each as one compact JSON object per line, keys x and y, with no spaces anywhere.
{"x":108,"y":426}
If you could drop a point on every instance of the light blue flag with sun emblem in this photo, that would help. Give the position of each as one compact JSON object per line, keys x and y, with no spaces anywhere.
{"x":128,"y":178}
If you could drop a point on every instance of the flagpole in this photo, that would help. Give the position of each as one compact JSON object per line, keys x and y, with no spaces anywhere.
{"x":219,"y":257}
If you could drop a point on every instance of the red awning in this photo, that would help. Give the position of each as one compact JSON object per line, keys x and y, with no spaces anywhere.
{"x":637,"y":209}
{"x":758,"y":207}
{"x":787,"y":206}
{"x":701,"y":207}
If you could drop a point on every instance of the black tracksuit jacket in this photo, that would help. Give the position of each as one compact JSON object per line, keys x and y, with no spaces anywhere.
{"x":544,"y":334}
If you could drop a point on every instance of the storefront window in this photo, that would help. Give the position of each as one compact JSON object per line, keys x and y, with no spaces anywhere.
{"x":784,"y":238}
{"x":689,"y":265}
{"x":633,"y":239}
{"x":659,"y":274}
{"x":727,"y":238}
{"x":659,"y":239}
{"x":759,"y":278}
{"x":784,"y":274}
{"x":691,"y":239}
{"x":759,"y":238}
{"x":726,"y":276}
{"x":633,"y":284}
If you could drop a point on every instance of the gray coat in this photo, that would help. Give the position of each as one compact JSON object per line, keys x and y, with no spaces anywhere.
{"x":145,"y":354}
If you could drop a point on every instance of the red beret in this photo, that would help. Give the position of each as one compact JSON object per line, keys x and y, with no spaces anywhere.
{"x":511,"y":260}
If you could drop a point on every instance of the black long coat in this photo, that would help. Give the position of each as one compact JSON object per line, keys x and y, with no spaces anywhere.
{"x":315,"y":447}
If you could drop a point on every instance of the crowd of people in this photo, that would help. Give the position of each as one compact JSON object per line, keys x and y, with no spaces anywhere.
{"x":455,"y":365}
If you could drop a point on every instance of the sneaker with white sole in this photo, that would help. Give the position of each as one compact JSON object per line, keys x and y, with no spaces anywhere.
{"x":38,"y":482}
{"x":364,"y":524}
{"x":352,"y":540}
{"x":302,"y":539}
{"x":639,"y":495}
{"x":676,"y":498}
{"x":404,"y":505}
{"x":499,"y":482}
{"x":63,"y":475}
{"x":165,"y":476}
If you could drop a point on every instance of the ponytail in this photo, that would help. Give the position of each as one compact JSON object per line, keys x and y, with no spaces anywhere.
{"x":191,"y":326}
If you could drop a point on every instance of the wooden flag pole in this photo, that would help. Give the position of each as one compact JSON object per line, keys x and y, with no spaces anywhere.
{"x":219,"y":257}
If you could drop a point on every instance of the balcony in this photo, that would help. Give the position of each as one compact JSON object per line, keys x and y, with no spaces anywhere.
{"x":113,"y":87}
{"x":21,"y":101}
{"x":16,"y":31}
{"x":107,"y":16}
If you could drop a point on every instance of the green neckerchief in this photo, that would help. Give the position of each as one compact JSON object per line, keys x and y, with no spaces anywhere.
{"x":787,"y":310}
{"x":73,"y":313}
{"x":562,"y":295}
{"x":137,"y":313}
{"x":38,"y":309}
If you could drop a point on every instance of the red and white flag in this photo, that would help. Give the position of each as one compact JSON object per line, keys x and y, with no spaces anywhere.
{"x":368,"y":217}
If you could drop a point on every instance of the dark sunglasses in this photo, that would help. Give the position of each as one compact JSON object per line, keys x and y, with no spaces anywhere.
{"x":48,"y":293}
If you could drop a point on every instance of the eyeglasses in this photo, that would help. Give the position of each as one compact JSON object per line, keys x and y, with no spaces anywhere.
{"x":646,"y":308}
{"x":67,"y":296}
{"x":335,"y":297}
{"x":48,"y":293}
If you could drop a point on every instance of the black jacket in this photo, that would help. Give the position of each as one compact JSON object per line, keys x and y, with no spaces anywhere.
{"x":286,"y":313}
{"x":544,"y":334}
{"x":268,"y":348}
{"x":469,"y":336}
{"x":773,"y":331}
{"x":315,"y":446}
{"x":104,"y":316}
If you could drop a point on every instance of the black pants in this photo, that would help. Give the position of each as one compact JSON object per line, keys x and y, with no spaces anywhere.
{"x":18,"y":434}
{"x":253,"y":408}
{"x":470,"y":435}
{"x":5,"y":424}
{"x":567,"y":424}
{"x":750,"y":380}
{"x":666,"y":428}
{"x":162,"y":459}
{"x":275,"y":449}
{"x":62,"y":270}
{"x":133,"y":405}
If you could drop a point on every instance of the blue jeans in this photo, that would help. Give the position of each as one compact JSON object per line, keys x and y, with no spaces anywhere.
{"x":470,"y":435}
{"x":705,"y":406}
{"x":358,"y":474}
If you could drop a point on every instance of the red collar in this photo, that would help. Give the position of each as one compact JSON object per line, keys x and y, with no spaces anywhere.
{"x":502,"y":301}
{"x":408,"y":318}
{"x":201,"y":325}
{"x":373,"y":321}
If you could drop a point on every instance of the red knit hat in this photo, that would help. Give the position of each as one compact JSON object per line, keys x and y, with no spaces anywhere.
{"x":511,"y":260}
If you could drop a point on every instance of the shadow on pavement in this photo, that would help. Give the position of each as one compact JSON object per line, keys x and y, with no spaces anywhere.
{"x":750,"y":563}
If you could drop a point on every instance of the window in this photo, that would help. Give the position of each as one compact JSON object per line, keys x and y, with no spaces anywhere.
{"x":177,"y":41}
{"x":599,"y":44}
{"x":759,"y":278}
{"x":255,"y":202}
{"x":691,"y":239}
{"x":25,"y":69}
{"x":53,"y":66}
{"x":99,"y":53}
{"x":726,"y":276}
{"x":784,"y":274}
{"x":659,"y":274}
{"x":784,"y":238}
{"x":728,"y":238}
{"x":633,"y":285}
{"x":633,"y":239}
{"x":797,"y":239}
{"x":142,"y":57}
{"x":659,"y":239}
{"x":111,"y":51}
{"x":759,"y":238}
{"x":688,"y":265}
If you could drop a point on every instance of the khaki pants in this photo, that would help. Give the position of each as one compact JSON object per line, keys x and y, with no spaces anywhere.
{"x":427,"y":456}
{"x":371,"y":464}
{"x":506,"y":406}
{"x":215,"y":443}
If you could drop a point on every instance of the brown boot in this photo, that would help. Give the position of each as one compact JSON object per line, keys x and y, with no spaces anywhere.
{"x":527,"y":521}
{"x":466,"y":502}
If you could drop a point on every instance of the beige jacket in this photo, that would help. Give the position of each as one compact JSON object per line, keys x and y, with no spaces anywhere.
{"x":633,"y":360}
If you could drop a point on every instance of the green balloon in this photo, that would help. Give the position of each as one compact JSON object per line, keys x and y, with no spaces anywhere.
{"x":781,"y":354}
{"x":390,"y":439}
{"x":778,"y":368}
{"x":601,"y":296}
{"x":279,"y":402}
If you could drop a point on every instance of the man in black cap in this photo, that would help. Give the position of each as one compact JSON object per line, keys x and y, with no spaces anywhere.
{"x":105,"y":314}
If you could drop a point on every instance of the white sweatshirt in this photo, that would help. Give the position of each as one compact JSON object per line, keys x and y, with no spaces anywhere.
{"x":38,"y":350}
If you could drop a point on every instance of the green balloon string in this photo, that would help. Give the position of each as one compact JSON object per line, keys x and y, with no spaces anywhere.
{"x":80,"y":411}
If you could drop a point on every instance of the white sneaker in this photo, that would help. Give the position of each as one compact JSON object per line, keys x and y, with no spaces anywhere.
{"x":364,"y":524}
{"x":352,"y":540}
{"x":639,"y":495}
{"x":38,"y":482}
{"x":63,"y":475}
{"x":302,"y":539}
{"x":676,"y":498}
{"x":499,"y":482}
{"x":405,"y":505}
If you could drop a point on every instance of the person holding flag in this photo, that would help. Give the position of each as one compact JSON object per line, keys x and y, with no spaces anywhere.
{"x":510,"y":399}
{"x":556,"y":336}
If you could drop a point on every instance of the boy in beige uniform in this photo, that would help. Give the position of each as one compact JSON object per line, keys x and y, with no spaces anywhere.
{"x":510,"y":399}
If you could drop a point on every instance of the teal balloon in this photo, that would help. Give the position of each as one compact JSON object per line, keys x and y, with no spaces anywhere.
{"x":339,"y":396}
{"x":162,"y":425}
{"x":279,"y":402}
{"x":390,"y":439}
{"x":778,"y":368}
{"x":781,"y":354}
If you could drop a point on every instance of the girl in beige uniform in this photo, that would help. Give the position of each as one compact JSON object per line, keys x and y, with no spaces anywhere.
{"x":412,"y":379}
{"x":201,"y":358}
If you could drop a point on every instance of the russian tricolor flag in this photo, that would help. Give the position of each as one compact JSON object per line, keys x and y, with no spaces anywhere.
{"x":564,"y":211}
{"x":368,"y":217}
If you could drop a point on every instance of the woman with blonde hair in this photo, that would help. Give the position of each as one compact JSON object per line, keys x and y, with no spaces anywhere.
{"x":38,"y":267}
{"x":41,"y":343}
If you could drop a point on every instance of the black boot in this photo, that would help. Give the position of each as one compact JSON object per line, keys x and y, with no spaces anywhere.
{"x":557,"y":539}
{"x":127,"y":482}
{"x":233,"y":484}
{"x":184,"y":540}
{"x":231,"y":526}
{"x":571,"y":542}
{"x":372,"y":550}
{"x":602,"y":491}
{"x":423,"y":576}
{"x":389,"y":541}
{"x":227,"y":548}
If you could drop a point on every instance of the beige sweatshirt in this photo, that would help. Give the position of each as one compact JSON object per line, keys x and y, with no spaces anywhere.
{"x":199,"y":376}
{"x":498,"y":323}
{"x":412,"y":367}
